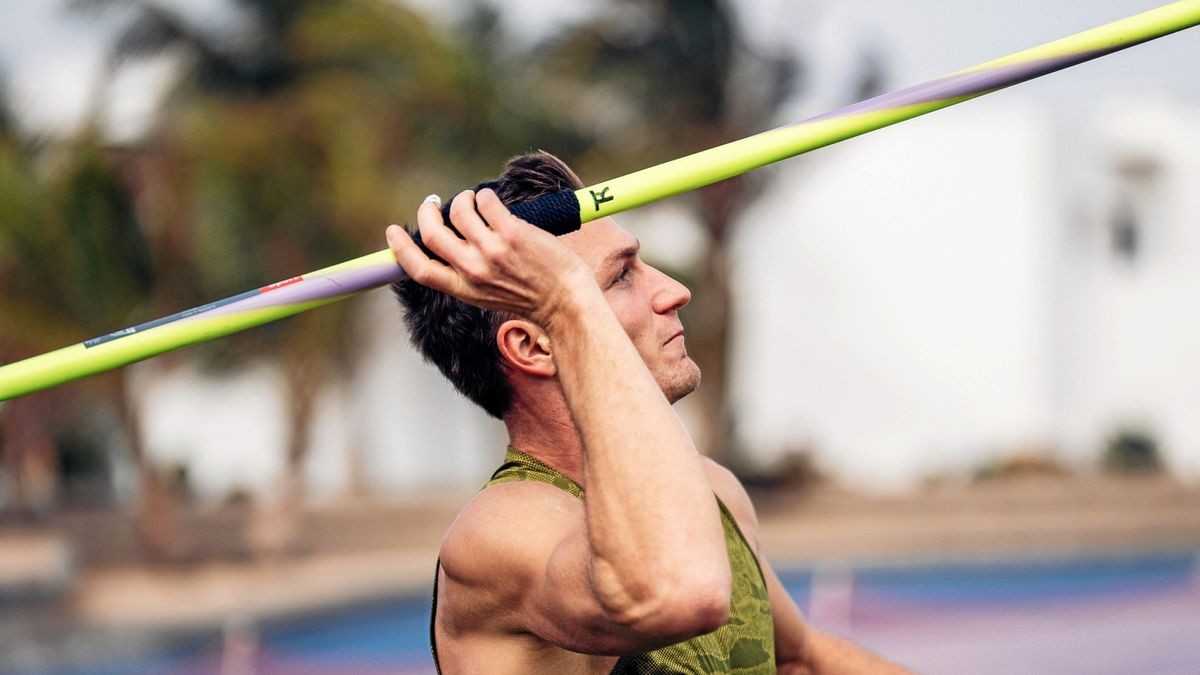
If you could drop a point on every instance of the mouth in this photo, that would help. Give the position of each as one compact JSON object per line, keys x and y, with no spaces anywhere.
{"x":678,"y":334}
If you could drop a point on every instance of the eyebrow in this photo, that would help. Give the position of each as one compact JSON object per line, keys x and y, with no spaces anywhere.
{"x":623,"y":253}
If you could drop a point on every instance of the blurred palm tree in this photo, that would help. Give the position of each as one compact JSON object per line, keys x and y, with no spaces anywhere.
{"x":652,"y":80}
{"x":260,"y":169}
{"x":26,"y":442}
{"x":287,"y":145}
{"x":73,"y":263}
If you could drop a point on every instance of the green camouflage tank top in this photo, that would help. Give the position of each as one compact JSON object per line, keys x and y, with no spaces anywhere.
{"x":745,"y":645}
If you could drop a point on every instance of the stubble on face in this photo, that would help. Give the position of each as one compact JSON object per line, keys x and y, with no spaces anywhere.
{"x":679,"y":380}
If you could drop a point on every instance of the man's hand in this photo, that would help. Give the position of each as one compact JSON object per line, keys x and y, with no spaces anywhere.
{"x":501,"y":262}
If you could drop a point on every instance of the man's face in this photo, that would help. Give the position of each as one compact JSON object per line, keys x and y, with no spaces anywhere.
{"x":645,"y":301}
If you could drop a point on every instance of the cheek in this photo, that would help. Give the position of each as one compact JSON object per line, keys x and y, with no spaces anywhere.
{"x":637,"y":317}
{"x":631,"y":317}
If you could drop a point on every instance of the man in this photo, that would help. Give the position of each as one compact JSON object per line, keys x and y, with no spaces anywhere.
{"x":576,"y":344}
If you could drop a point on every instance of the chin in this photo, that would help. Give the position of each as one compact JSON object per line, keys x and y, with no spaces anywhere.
{"x":682,"y":382}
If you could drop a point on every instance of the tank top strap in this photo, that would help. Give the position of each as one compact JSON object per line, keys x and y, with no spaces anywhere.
{"x":520,"y":466}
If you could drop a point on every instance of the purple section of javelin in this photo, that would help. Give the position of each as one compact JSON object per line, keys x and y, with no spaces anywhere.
{"x":966,"y":84}
{"x":317,"y":288}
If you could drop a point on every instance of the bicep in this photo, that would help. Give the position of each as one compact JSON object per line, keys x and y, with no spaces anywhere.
{"x":562,"y":607}
{"x":535,"y":577}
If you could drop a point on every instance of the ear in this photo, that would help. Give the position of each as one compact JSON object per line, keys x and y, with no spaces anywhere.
{"x":525,"y":346}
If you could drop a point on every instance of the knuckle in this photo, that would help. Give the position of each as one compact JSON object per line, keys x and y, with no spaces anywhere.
{"x":475,"y":272}
{"x":422,"y":274}
{"x":508,"y":234}
{"x":494,"y":252}
{"x":427,"y":229}
{"x":435,"y":238}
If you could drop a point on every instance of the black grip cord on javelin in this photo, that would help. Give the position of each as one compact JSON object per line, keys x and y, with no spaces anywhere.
{"x":556,"y":213}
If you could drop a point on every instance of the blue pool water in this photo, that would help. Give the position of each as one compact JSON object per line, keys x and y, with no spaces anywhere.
{"x":1057,"y":616}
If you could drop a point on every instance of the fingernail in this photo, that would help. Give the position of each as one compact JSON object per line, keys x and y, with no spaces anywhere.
{"x":434,"y":199}
{"x":390,"y":232}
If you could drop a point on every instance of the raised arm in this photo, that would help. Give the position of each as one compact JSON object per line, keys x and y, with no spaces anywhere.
{"x":647,"y":566}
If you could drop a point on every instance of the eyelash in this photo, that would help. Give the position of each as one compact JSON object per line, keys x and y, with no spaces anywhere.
{"x":623,"y":275}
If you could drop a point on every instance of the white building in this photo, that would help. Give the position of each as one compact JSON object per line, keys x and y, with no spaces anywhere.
{"x":980,"y":282}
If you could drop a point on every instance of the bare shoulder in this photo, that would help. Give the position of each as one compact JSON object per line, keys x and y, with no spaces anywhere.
{"x":731,"y":492}
{"x":505,"y":533}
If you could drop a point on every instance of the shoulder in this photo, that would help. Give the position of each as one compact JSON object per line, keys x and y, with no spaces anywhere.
{"x":504,"y":535}
{"x":733,"y":494}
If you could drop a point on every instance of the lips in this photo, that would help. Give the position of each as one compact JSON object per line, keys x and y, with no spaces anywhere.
{"x":677,"y":334}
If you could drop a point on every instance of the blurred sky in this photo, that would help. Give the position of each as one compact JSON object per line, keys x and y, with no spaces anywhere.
{"x":51,"y":60}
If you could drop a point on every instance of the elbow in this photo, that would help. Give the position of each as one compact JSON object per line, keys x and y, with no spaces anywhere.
{"x":707,"y":611}
{"x":676,"y":607}
{"x":675,"y":615}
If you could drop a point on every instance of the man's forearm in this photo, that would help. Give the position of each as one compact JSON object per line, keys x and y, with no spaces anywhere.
{"x":652,"y":519}
{"x":829,"y":655}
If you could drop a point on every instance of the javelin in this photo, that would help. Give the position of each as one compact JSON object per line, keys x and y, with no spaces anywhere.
{"x":565,"y":211}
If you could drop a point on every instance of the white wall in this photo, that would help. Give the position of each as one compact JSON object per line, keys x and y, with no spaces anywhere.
{"x":397,"y":423}
{"x":895,"y":298}
{"x":228,"y":431}
{"x":1130,"y":329}
{"x":415,"y":431}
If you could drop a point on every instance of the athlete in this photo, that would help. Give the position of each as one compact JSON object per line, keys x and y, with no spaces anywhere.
{"x":605,"y":543}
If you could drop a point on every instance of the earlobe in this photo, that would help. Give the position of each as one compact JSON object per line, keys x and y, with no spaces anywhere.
{"x":526,"y":347}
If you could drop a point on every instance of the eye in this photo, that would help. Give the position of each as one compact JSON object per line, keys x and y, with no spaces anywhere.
{"x":623,"y":275}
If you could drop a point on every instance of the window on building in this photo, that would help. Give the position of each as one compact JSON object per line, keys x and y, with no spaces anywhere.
{"x":1137,"y":197}
{"x":1125,"y":230}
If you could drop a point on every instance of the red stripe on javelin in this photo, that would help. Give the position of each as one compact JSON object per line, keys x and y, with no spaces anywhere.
{"x":280,"y":284}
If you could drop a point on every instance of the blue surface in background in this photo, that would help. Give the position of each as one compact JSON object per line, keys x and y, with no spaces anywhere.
{"x":1016,"y":582}
{"x":394,"y":633}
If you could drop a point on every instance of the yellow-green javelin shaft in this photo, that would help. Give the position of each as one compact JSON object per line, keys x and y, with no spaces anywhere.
{"x":733,"y":159}
{"x":621,"y":194}
{"x":200,"y":324}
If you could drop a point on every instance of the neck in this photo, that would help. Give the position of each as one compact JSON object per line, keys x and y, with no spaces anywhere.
{"x":544,"y":429}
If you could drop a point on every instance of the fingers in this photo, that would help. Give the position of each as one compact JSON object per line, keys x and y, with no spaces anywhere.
{"x":467,"y":220}
{"x":418,"y":266}
{"x":436,"y":236}
{"x":496,"y":213}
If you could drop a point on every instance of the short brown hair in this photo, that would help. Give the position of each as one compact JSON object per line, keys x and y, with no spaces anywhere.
{"x":458,"y":338}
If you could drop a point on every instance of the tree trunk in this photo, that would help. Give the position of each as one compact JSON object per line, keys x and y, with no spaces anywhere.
{"x":714,"y":313}
{"x":712,"y":316}
{"x":156,"y":517}
{"x":708,"y":337}
{"x":276,"y":527}
{"x":29,"y":455}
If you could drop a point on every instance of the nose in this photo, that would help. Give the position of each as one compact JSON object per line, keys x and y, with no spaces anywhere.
{"x":670,"y":295}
